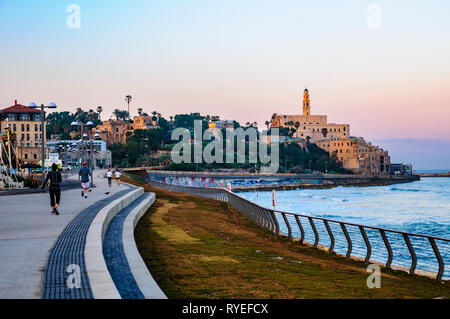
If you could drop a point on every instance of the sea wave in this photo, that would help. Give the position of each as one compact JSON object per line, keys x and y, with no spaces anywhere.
{"x":395,"y":189}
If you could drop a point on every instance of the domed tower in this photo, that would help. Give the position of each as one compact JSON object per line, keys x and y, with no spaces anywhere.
{"x":306,"y":103}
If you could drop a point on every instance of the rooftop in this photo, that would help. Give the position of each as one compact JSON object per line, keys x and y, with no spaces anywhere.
{"x":19,"y":108}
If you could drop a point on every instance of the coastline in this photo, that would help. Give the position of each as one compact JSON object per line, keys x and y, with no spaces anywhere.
{"x":374,"y":182}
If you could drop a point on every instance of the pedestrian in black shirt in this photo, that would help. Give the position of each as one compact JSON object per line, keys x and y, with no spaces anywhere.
{"x":54,"y":176}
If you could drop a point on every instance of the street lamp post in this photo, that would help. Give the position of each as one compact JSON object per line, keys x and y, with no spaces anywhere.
{"x":43,"y":131}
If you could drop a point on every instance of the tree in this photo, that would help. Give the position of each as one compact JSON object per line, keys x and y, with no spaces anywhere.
{"x":154,"y":118}
{"x":128,"y":99}
{"x":118,"y":114}
{"x":78,"y":112}
{"x":140,"y":111}
{"x":99,"y":111}
{"x":91,"y":115}
{"x":125,"y":115}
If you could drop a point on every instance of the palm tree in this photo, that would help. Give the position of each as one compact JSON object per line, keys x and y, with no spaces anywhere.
{"x":125,"y":115}
{"x":128,"y":99}
{"x":99,"y":111}
{"x":78,"y":112}
{"x":117,"y":113}
{"x":91,"y":115}
{"x":140,"y":111}
{"x":154,"y":118}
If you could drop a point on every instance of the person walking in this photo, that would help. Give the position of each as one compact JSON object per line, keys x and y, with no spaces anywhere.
{"x":84,"y":174}
{"x":55,"y":178}
{"x":109,"y":176}
{"x":117,"y":174}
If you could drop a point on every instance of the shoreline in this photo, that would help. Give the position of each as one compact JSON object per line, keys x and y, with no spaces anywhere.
{"x":241,"y":189}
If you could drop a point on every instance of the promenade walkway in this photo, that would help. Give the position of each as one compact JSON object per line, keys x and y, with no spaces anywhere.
{"x":28,"y":232}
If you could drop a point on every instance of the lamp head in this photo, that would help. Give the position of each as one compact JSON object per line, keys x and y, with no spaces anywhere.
{"x":32,"y":105}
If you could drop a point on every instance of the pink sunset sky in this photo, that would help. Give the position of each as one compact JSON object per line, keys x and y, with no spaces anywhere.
{"x":241,"y":60}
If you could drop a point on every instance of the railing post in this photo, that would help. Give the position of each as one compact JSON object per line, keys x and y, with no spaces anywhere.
{"x":367,"y":242}
{"x":287,"y":224}
{"x":389,"y":249}
{"x":412,"y":252}
{"x":349,"y":241}
{"x":316,"y":234}
{"x":275,"y":221}
{"x":438,"y":257}
{"x":330,"y":233}
{"x":300,"y":227}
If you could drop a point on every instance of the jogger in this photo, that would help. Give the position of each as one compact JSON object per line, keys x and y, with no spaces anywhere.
{"x":84,"y":173}
{"x":54,"y":176}
{"x":109,"y":175}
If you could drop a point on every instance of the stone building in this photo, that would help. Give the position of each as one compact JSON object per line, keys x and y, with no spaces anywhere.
{"x":25,"y":123}
{"x":112,"y":131}
{"x":115,"y":131}
{"x":357,"y":155}
{"x":316,"y":127}
{"x":354,"y":153}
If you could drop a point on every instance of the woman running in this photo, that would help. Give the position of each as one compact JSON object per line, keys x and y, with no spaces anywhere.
{"x":118,"y":176}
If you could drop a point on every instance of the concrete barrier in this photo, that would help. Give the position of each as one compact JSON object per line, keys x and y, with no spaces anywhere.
{"x":101,"y":282}
{"x":139,"y":270}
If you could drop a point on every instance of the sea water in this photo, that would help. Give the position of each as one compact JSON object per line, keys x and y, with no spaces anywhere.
{"x":421,"y":207}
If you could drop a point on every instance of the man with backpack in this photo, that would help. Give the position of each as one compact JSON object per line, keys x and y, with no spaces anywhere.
{"x":84,"y":174}
{"x":54,"y":176}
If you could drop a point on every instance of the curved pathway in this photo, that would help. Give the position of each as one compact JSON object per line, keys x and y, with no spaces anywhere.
{"x":28,"y":233}
{"x":115,"y":257}
{"x":69,"y":250}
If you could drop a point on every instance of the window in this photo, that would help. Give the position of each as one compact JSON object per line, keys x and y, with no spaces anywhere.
{"x":35,"y":156}
{"x":40,"y":127}
{"x":37,"y":117}
{"x":26,"y":156}
{"x":25,"y":117}
{"x":28,"y":137}
{"x":23,"y":137}
{"x":12,"y":117}
{"x":35,"y":127}
{"x":35,"y":136}
{"x":28,"y":127}
{"x":22,"y":127}
{"x":14,"y":127}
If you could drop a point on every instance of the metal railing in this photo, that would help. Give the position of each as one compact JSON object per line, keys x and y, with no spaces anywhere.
{"x":419,"y":254}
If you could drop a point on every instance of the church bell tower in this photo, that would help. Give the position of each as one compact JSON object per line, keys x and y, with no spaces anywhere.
{"x":306,"y":103}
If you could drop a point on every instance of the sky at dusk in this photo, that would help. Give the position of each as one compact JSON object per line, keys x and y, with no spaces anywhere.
{"x":242,"y":60}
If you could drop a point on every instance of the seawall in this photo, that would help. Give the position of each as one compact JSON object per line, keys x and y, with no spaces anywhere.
{"x":241,"y":181}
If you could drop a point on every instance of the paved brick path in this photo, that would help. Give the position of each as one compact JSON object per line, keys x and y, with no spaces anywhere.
{"x":115,"y":258}
{"x":68,"y":250}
